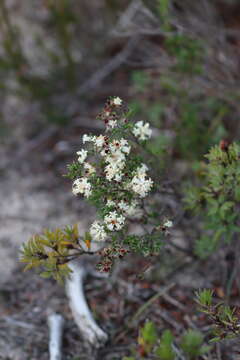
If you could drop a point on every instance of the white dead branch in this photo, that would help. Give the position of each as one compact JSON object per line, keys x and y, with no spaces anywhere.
{"x":55,"y":323}
{"x":82,"y":315}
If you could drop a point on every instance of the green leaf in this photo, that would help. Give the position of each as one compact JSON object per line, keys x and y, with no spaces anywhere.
{"x":164,"y":351}
{"x":226,"y":207}
{"x":215,"y":339}
{"x":46,"y":274}
{"x":204,"y":297}
{"x":149,"y":333}
{"x":191,"y":343}
{"x":204,"y":349}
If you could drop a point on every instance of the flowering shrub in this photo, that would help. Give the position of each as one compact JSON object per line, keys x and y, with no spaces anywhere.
{"x":217,"y":199}
{"x":111,"y":174}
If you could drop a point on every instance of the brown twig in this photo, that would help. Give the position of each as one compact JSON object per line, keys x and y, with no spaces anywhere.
{"x":97,"y":78}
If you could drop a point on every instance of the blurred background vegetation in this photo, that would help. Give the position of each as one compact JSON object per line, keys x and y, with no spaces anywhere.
{"x":176,"y":62}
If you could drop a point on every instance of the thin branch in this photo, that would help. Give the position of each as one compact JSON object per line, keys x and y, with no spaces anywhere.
{"x":97,"y":78}
{"x":144,"y":307}
{"x":55,"y":323}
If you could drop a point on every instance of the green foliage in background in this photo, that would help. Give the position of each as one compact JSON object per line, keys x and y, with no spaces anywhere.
{"x":198,"y":122}
{"x":166,"y":347}
{"x":192,"y":344}
{"x":188,"y":53}
{"x":15,"y":63}
{"x":216,"y":197}
{"x":200,"y":126}
{"x":224,"y":319}
{"x":65,"y":34}
{"x":165,"y":350}
{"x":162,"y":9}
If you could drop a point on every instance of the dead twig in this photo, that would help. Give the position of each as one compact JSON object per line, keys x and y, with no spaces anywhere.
{"x":97,"y":78}
{"x":174,"y":302}
{"x":82,"y":315}
{"x":144,"y":307}
{"x":55,"y":323}
{"x":168,"y":319}
{"x":18,"y":323}
{"x":218,"y":351}
{"x":178,"y":352}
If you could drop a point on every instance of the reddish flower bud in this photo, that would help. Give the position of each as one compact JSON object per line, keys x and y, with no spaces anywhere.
{"x":224,"y":145}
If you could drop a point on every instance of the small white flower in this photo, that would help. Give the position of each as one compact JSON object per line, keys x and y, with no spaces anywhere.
{"x":117,"y":101}
{"x":97,"y":231}
{"x":116,"y":159}
{"x":142,"y":131}
{"x":118,"y":176}
{"x":111,"y":124}
{"x":82,"y":155}
{"x":114,"y":221}
{"x":141,"y":185}
{"x":82,"y":186}
{"x":120,"y":145}
{"x":125,"y":147}
{"x":110,"y":172}
{"x":123,"y":205}
{"x":168,"y":224}
{"x":99,"y":141}
{"x":113,"y":171}
{"x":131,"y":210}
{"x":116,"y":163}
{"x":104,"y":151}
{"x":87,"y":138}
{"x":141,"y":170}
{"x":89,"y":168}
{"x":110,"y":202}
{"x":128,"y":209}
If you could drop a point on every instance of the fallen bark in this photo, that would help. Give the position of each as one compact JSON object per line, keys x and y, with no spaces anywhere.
{"x":82,"y":315}
{"x":55,"y":323}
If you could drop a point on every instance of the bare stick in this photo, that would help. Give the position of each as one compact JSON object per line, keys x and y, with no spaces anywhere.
{"x":160,"y":293}
{"x":82,"y":315}
{"x":55,"y":323}
{"x":97,"y":78}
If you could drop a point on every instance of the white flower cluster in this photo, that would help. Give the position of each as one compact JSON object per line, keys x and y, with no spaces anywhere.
{"x":131,"y":210}
{"x":114,"y":154}
{"x":140,"y":184}
{"x":82,"y":186}
{"x":168,"y":224}
{"x":142,"y":131}
{"x":128,"y":209}
{"x":115,"y":159}
{"x":82,"y":156}
{"x":89,"y":169}
{"x":97,"y":231}
{"x":114,"y":221}
{"x":117,"y":101}
{"x":111,"y":124}
{"x":87,"y":138}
